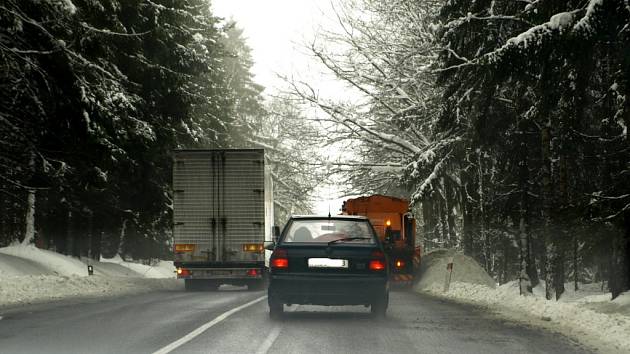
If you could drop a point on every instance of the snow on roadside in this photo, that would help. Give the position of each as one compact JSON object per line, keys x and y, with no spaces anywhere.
{"x":63,"y":276}
{"x":28,"y":289}
{"x":56,"y":262}
{"x":432,"y":269}
{"x":593,"y":319}
{"x":163,"y":269}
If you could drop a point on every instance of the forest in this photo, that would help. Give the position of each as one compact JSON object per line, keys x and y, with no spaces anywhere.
{"x":504,"y":122}
{"x":94,"y":97}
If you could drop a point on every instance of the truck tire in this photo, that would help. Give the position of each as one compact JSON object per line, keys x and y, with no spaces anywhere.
{"x":276,"y":308}
{"x":257,"y":285}
{"x":200,"y":285}
{"x":191,"y":285}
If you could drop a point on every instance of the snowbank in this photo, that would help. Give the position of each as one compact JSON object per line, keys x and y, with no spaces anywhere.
{"x":57,"y":263}
{"x":588,"y":316}
{"x":40,"y":288}
{"x":14,"y":266}
{"x":163,"y":269}
{"x":432,"y":270}
{"x":29,"y":274}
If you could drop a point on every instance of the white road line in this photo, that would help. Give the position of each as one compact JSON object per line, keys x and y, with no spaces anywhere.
{"x":264,"y":347}
{"x":190,"y":336}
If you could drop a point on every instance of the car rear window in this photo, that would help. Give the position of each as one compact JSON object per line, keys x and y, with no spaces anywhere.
{"x":326,"y":230}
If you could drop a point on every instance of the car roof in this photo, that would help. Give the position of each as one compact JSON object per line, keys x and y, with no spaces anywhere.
{"x":322,"y":217}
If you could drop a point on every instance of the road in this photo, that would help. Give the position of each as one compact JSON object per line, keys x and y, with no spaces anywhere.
{"x":233,"y":321}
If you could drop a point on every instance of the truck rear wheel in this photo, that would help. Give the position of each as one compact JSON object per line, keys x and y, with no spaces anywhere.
{"x":191,"y":285}
{"x":256,"y":285}
{"x":200,"y":285}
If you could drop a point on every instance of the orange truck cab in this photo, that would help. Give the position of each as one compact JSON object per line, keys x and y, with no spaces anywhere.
{"x":396,"y":228}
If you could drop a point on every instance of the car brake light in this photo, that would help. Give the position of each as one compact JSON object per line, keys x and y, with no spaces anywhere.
{"x":281,"y":263}
{"x":377,"y":264}
{"x":399,"y":263}
{"x":279,"y":259}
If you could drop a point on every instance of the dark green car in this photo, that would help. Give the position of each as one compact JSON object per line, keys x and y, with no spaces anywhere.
{"x":323,"y":260}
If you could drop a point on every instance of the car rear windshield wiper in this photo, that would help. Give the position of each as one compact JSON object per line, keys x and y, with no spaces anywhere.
{"x":348,"y":239}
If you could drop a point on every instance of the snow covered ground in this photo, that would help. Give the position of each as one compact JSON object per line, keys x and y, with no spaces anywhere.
{"x":588,"y":315}
{"x":29,"y":274}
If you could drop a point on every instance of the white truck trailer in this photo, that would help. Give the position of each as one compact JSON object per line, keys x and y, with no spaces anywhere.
{"x":222,"y":214}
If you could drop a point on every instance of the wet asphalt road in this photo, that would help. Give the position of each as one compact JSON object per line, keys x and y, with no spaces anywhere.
{"x":151,"y":322}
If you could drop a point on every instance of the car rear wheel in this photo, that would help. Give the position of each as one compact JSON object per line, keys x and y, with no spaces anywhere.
{"x":379,"y":307}
{"x":276,"y":308}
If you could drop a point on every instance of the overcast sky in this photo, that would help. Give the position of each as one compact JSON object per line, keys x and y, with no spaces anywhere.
{"x":276,"y":31}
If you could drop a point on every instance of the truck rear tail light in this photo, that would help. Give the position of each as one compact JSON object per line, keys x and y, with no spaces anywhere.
{"x":253,"y":272}
{"x":182,"y":248}
{"x":279,"y":259}
{"x":377,"y":265}
{"x":253,"y":247}
{"x":183,"y":272}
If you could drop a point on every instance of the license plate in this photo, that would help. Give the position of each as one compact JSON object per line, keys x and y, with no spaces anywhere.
{"x":327,"y":263}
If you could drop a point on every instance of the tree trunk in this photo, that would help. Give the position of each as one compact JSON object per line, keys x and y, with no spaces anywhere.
{"x":441,"y":212}
{"x":123,"y":234}
{"x":90,"y":233}
{"x":482,"y":217}
{"x":528,"y":275}
{"x":452,"y":227}
{"x":625,"y":275}
{"x":560,"y":235}
{"x":550,"y":247}
{"x":70,"y":244}
{"x":619,"y":273}
{"x":95,"y":240}
{"x":468,"y":227}
{"x":467,"y":212}
{"x":558,"y":271}
{"x":576,"y":264}
{"x":29,"y":233}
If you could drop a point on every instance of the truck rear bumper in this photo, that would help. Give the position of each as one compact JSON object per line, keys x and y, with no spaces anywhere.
{"x":220,"y":271}
{"x":225,"y":273}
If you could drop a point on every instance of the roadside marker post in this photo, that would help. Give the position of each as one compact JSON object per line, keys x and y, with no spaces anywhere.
{"x":449,"y":273}
{"x":90,"y":269}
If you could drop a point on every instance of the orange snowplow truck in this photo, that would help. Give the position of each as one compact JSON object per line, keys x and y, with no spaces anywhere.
{"x":396,"y":228}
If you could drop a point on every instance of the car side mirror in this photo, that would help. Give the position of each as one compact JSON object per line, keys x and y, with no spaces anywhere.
{"x":269,"y":245}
